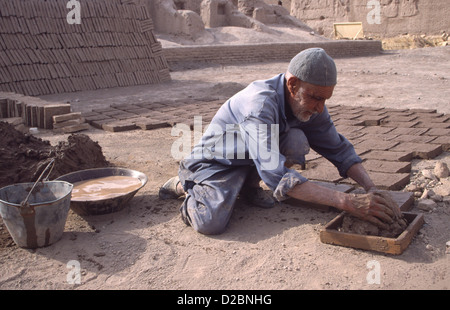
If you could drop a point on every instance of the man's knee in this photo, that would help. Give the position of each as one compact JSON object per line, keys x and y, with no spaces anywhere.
{"x":203,"y":220}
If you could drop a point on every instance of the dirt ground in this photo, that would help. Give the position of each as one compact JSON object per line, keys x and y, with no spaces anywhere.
{"x":147,"y":246}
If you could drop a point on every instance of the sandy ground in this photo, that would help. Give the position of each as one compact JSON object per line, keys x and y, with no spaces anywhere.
{"x":147,"y":246}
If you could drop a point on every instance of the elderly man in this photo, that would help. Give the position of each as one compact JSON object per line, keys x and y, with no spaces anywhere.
{"x":258,"y":134}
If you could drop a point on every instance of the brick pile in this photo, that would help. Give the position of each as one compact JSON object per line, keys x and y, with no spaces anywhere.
{"x":386,"y":139}
{"x":69,"y":123}
{"x":41,"y":53}
{"x":32,"y":111}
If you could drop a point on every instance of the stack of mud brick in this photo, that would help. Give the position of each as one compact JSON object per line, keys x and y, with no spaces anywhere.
{"x":34,"y":112}
{"x":69,"y":122}
{"x":41,"y":53}
{"x":251,"y":53}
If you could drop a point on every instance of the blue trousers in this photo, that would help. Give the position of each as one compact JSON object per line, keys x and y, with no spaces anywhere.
{"x":212,"y":189}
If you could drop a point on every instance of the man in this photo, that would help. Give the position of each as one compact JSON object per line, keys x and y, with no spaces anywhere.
{"x":258,"y":134}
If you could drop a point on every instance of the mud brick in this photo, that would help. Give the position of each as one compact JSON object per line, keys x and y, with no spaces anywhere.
{"x":345,"y":129}
{"x":370,"y":120}
{"x":420,"y":150}
{"x":387,"y":166}
{"x":117,"y":126}
{"x":377,"y":137}
{"x":89,"y":114}
{"x":414,"y":139}
{"x":438,"y":132}
{"x":52,"y":110}
{"x":422,"y":111}
{"x":3,"y":107}
{"x":386,"y":180}
{"x":125,"y":107}
{"x":444,"y":141}
{"x":142,"y":111}
{"x":102,"y":110}
{"x":111,"y":113}
{"x":172,"y":121}
{"x":96,"y":117}
{"x":400,"y":118}
{"x":409,"y":131}
{"x":399,"y":124}
{"x":99,"y":123}
{"x":124,"y":116}
{"x":376,"y":130}
{"x":389,"y":155}
{"x":433,"y":125}
{"x":344,"y":188}
{"x":376,"y":144}
{"x":34,"y":118}
{"x":75,"y":128}
{"x":68,"y":123}
{"x":10,"y":103}
{"x":405,"y":200}
{"x":346,"y":122}
{"x":167,"y":109}
{"x":66,"y":117}
{"x":146,"y":123}
{"x":321,"y":170}
{"x":157,"y":115}
{"x":347,"y":116}
{"x":433,"y":118}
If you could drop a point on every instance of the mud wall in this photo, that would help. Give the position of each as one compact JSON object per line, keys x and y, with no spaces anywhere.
{"x":397,"y":17}
{"x":251,"y":53}
{"x":42,"y":53}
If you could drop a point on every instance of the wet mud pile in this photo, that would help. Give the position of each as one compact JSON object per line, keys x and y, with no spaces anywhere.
{"x":23,"y":157}
{"x":354,"y":225}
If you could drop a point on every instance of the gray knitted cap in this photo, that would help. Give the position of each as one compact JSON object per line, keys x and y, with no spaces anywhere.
{"x":314,"y":66}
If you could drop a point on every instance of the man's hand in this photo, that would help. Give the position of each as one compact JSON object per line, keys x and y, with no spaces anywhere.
{"x":377,"y":208}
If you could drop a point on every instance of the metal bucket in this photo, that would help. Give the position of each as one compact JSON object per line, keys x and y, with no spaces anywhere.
{"x":41,"y":221}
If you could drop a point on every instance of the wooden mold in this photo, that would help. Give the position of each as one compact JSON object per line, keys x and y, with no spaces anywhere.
{"x":331,"y":235}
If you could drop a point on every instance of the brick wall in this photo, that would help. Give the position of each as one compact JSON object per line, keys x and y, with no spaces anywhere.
{"x":41,"y":53}
{"x":228,"y":54}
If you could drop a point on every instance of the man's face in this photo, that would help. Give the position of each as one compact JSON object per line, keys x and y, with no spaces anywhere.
{"x":309,"y":100}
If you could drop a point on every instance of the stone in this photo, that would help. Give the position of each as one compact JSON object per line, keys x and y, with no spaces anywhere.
{"x":426,"y":204}
{"x":436,"y":198}
{"x":412,"y":187}
{"x":428,"y":174}
{"x":441,"y":170}
{"x":425,"y":194}
{"x":444,"y":188}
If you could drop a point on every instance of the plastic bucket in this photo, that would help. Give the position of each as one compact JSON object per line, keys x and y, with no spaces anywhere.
{"x":42,"y":222}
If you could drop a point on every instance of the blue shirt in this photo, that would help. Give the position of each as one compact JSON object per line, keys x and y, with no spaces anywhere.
{"x":246,"y":130}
